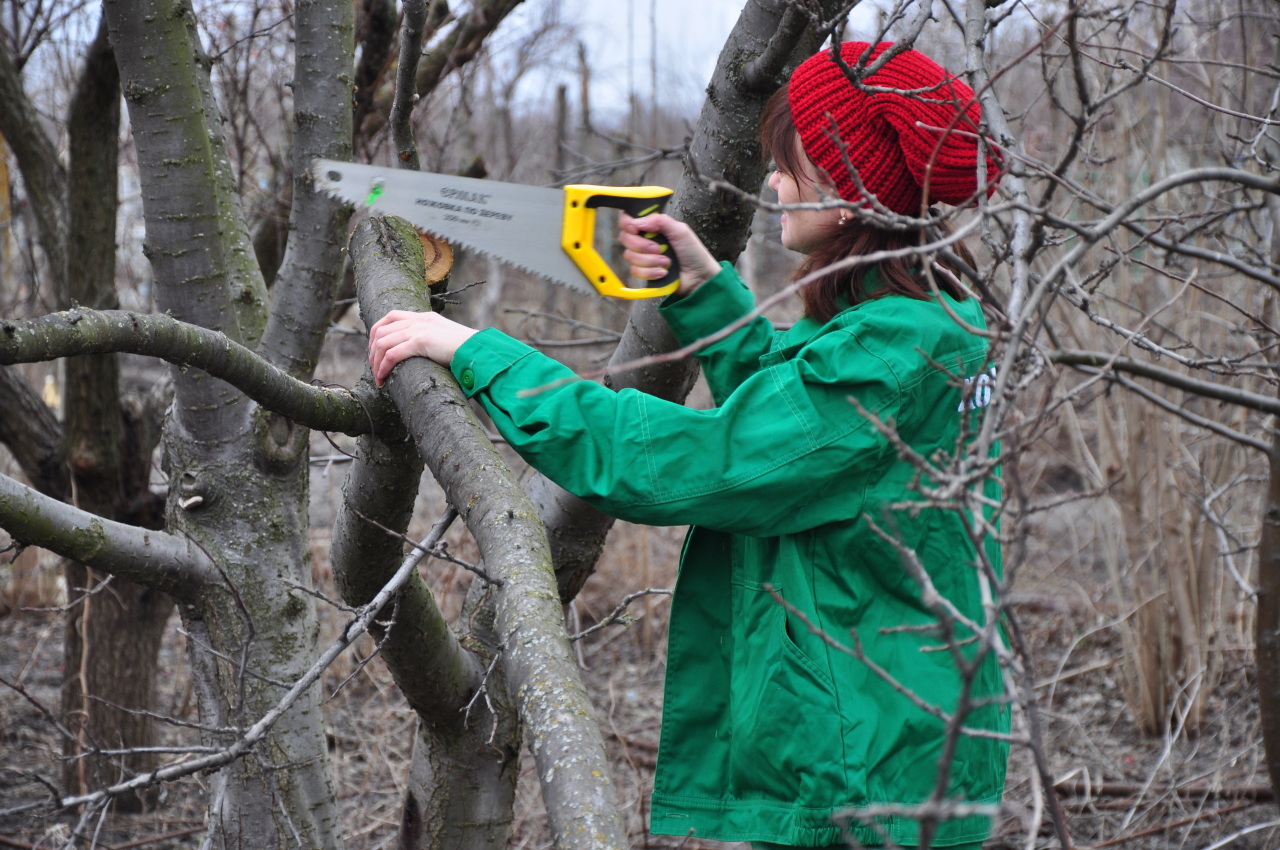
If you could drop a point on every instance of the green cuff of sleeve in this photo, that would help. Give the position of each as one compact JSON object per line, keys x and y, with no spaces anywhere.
{"x":710,"y":307}
{"x":483,"y":357}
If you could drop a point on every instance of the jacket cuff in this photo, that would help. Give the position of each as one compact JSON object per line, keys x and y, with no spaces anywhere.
{"x":710,"y":307}
{"x":483,"y":357}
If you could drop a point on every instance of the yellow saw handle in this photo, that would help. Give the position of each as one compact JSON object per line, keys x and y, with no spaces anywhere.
{"x":578,"y":237}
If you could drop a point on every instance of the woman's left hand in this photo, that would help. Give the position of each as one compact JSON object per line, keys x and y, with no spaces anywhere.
{"x":400,"y":335}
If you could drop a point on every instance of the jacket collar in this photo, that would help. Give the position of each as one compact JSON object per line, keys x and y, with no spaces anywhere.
{"x":788,"y":342}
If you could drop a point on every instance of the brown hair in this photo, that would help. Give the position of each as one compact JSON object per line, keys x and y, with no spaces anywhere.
{"x":833,"y":291}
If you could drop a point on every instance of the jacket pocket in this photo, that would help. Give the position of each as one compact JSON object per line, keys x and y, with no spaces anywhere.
{"x":787,"y":741}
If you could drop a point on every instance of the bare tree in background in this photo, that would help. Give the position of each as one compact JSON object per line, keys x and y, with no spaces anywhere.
{"x":102,"y":458}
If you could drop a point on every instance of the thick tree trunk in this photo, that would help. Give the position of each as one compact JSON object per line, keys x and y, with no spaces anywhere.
{"x":238,"y":474}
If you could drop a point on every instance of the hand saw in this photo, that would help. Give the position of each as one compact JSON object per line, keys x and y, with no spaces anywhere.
{"x":550,"y":232}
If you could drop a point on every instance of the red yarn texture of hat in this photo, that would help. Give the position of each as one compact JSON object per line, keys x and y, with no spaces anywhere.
{"x":880,"y":134}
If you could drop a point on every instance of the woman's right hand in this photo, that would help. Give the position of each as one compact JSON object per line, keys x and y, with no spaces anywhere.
{"x":649,"y":263}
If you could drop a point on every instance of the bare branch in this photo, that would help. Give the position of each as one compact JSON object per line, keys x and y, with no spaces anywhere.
{"x":406,"y":95}
{"x":80,"y":331}
{"x":618,"y":614}
{"x":153,"y":558}
{"x":1205,"y":389}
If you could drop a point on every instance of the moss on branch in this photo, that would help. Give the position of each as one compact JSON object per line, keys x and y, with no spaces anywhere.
{"x":154,"y":558}
{"x":81,"y":331}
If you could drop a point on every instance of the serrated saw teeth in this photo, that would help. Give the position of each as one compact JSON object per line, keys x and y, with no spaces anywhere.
{"x":545,"y":232}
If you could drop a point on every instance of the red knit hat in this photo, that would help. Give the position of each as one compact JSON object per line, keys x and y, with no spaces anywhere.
{"x":880,"y":133}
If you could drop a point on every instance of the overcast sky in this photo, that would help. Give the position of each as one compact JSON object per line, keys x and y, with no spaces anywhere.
{"x":620,"y":39}
{"x":620,"y":36}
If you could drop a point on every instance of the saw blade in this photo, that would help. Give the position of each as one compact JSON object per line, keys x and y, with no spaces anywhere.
{"x":511,"y":222}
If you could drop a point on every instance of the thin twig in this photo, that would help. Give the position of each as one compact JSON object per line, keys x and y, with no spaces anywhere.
{"x":617,"y":615}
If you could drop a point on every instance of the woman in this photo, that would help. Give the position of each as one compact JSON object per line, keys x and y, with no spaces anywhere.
{"x":770,"y":732}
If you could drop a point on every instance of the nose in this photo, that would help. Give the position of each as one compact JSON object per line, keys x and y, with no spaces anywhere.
{"x":773,"y":180}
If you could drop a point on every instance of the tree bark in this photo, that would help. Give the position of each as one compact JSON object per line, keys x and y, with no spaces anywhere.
{"x":540,"y":668}
{"x":308,"y":278}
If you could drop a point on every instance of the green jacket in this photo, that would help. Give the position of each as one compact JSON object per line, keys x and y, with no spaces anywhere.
{"x":768,"y":730}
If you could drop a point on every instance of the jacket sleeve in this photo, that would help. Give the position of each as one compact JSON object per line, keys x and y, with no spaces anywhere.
{"x":787,"y":451}
{"x":715,"y":305}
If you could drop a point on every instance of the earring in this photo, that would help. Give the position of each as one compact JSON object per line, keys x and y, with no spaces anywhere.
{"x":843,"y":218}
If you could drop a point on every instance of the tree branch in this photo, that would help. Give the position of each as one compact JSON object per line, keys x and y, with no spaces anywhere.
{"x":154,"y":558}
{"x":80,"y":331}
{"x":1168,"y":377}
{"x":536,"y":656}
{"x":406,"y":95}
